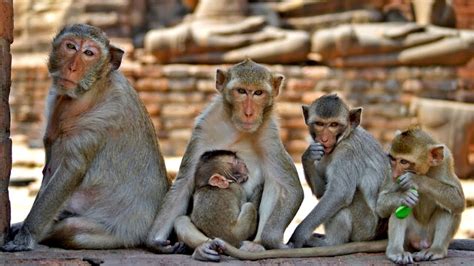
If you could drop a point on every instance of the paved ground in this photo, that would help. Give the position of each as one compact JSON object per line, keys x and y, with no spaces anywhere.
{"x":50,"y":256}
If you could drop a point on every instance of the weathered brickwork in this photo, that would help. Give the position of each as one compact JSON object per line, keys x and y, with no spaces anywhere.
{"x":175,"y":94}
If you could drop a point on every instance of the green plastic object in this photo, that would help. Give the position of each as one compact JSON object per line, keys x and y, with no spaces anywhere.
{"x":402,"y":212}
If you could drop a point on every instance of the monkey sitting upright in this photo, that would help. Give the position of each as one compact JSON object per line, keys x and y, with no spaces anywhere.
{"x":419,"y":162}
{"x":220,"y":207}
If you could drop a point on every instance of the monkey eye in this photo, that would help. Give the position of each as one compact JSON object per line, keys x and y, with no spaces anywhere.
{"x":405,"y":162}
{"x":334,"y":124}
{"x":319,"y":124}
{"x":258,"y":92}
{"x":88,"y":53}
{"x":241,"y":91}
{"x":70,"y":46}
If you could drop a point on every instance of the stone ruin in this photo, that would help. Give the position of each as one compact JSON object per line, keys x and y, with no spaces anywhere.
{"x":381,"y":54}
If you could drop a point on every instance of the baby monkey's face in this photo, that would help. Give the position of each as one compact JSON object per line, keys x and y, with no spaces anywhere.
{"x":238,"y":170}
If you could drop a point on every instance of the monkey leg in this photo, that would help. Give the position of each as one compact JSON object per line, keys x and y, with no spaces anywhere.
{"x":445,"y":225}
{"x":81,"y":233}
{"x":397,"y":230}
{"x":205,"y":249}
{"x":337,"y":231}
{"x":246,"y":222}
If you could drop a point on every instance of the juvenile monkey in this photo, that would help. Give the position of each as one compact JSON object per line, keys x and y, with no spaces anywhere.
{"x":345,"y":167}
{"x":419,"y":162}
{"x":104,"y":177}
{"x":240,"y":119}
{"x":220,"y":207}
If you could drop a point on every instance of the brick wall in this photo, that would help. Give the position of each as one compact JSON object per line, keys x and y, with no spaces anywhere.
{"x":6,"y":38}
{"x":175,"y":94}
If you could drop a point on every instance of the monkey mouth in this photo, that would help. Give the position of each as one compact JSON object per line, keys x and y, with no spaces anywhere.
{"x":328,"y":150}
{"x":247,"y":126}
{"x":67,"y":83}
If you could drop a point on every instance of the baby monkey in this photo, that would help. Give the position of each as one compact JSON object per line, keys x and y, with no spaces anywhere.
{"x":220,"y":207}
{"x":419,"y":162}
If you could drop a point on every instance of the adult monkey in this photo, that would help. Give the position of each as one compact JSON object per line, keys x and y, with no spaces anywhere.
{"x":104,"y":177}
{"x":239,"y":119}
{"x":344,"y":166}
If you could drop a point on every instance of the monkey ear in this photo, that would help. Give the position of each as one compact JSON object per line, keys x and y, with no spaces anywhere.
{"x":355,"y":116}
{"x":305,"y":113}
{"x":221,"y":78}
{"x":277,"y":81}
{"x":116,"y":55}
{"x":217,"y":180}
{"x":436,"y":155}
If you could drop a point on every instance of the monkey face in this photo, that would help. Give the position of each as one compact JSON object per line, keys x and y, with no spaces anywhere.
{"x":327,"y":132}
{"x":81,"y":55}
{"x":248,"y":107}
{"x":400,"y":165}
{"x":240,"y":171}
{"x":75,"y":59}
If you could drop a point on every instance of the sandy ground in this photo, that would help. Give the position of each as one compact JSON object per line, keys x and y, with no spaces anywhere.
{"x":28,"y":163}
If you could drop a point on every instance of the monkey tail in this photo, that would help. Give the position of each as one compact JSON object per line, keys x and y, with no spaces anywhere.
{"x":329,"y":251}
{"x":462,"y":244}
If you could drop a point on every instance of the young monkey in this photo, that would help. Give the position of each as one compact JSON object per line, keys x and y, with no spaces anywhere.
{"x":220,"y":207}
{"x":419,"y":162}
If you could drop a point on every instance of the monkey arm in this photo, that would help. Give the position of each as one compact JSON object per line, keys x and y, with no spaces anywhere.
{"x":315,"y":181}
{"x":447,"y":194}
{"x":340,"y":191}
{"x":282,"y":196}
{"x":176,"y":200}
{"x":389,"y":199}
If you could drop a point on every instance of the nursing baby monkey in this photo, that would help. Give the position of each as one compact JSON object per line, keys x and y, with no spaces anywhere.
{"x":220,"y":207}
{"x":423,"y":178}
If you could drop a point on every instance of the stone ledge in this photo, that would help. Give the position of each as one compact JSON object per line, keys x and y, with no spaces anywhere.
{"x":54,"y":256}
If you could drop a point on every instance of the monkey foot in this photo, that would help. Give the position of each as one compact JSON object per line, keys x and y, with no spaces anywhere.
{"x":429,"y":254}
{"x":209,"y":251}
{"x":401,"y":258}
{"x":164,"y":247}
{"x":14,"y":247}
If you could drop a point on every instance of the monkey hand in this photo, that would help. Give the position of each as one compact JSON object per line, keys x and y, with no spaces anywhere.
{"x":164,"y":247}
{"x":314,"y":152}
{"x":410,"y":198}
{"x":209,"y":250}
{"x":405,"y":181}
{"x":251,"y":246}
{"x":23,"y":241}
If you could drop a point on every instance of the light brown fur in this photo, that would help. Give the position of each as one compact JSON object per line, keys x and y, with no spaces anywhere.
{"x":428,"y":167}
{"x":104,"y":177}
{"x":245,"y":124}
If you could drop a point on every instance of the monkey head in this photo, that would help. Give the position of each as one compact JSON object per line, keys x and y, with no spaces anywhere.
{"x":219,"y":168}
{"x":414,"y":150}
{"x":248,"y":90}
{"x":80,"y":56}
{"x":330,"y":120}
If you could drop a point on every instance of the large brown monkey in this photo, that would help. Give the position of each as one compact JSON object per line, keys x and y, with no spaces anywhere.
{"x":219,"y":177}
{"x":419,"y":162}
{"x":240,"y":119}
{"x":104,"y":177}
{"x":344,"y":166}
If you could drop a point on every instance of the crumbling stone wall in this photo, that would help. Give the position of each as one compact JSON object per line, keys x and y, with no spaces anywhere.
{"x":175,"y":94}
{"x":6,"y":38}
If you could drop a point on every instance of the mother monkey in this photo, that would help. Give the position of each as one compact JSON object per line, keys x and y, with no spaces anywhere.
{"x":239,"y":119}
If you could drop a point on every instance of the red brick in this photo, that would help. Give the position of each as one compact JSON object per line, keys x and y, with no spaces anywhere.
{"x":6,"y":20}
